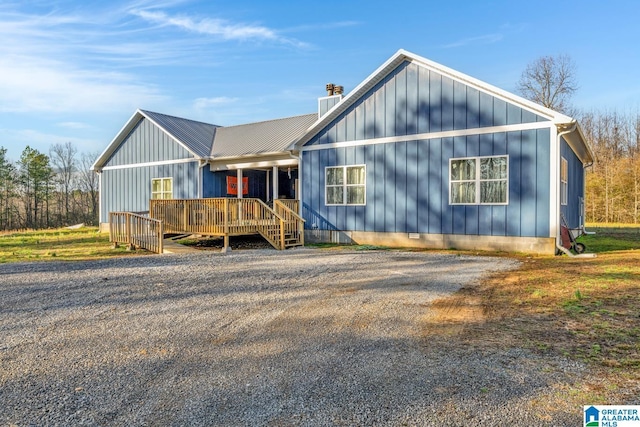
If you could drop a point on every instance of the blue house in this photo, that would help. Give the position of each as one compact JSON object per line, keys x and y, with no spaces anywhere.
{"x":417,"y":155}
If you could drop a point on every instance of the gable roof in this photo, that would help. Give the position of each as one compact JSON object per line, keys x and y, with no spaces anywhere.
{"x":400,"y":57}
{"x":196,"y":137}
{"x":272,"y":136}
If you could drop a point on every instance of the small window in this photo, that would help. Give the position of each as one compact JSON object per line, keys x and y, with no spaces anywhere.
{"x":479,"y":180}
{"x":345,"y":185}
{"x":162,"y":188}
{"x":564,"y":181}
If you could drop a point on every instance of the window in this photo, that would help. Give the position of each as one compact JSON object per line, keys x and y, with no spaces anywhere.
{"x":162,"y":188}
{"x":479,"y":180}
{"x":564,"y":181}
{"x":345,"y":185}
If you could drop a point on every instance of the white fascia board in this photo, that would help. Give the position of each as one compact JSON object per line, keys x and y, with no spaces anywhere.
{"x":258,"y":164}
{"x":126,"y":129}
{"x":358,"y":91}
{"x":117,"y":140}
{"x":580,"y":146}
{"x":502,"y":94}
{"x":148,"y":164}
{"x":253,"y":161}
{"x":402,"y":55}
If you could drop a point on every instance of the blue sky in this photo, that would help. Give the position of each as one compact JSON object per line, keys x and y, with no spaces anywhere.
{"x":76,"y":70}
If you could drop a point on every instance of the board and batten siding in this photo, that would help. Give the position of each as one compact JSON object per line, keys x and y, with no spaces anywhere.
{"x":129,"y":189}
{"x":147,"y":143}
{"x":326,"y":103}
{"x":407,"y":187}
{"x":415,"y":100}
{"x":572,"y":210}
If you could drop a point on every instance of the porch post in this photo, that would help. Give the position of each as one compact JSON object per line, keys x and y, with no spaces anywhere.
{"x":275,"y":183}
{"x":240,"y":189}
{"x":226,"y":248}
{"x":267,"y":185}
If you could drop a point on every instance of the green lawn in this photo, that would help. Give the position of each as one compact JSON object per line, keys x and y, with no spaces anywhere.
{"x":59,"y":244}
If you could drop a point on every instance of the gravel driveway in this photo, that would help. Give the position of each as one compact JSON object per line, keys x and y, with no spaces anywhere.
{"x":260,"y":338}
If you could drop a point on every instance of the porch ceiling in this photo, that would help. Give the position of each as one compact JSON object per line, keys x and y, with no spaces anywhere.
{"x":253,"y":162}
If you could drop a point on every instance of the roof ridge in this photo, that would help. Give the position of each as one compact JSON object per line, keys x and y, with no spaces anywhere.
{"x":269,"y":121}
{"x":178,"y":117}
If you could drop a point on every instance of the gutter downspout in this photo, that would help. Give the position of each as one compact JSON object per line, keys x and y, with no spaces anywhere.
{"x":574,"y":125}
{"x":584,"y":191}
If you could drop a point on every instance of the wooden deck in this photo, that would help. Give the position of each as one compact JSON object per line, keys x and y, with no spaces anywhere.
{"x":281,"y":226}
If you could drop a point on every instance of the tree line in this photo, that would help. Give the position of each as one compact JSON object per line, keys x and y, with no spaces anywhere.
{"x":613,"y":181}
{"x":48,"y":190}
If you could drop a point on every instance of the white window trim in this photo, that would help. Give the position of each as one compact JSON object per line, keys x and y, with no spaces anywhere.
{"x":345,"y":185}
{"x":162,"y":179}
{"x":564,"y":181}
{"x":477,"y":180}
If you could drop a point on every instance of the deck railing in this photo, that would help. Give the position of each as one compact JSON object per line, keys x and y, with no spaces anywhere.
{"x":292,"y":204}
{"x":136,"y":230}
{"x":293,"y":223}
{"x":227,"y":217}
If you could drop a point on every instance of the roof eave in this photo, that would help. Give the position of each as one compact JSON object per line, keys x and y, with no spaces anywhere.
{"x":181,"y":143}
{"x":126,"y":129}
{"x":249,"y":156}
{"x":578,"y":142}
{"x":394,"y":61}
{"x":117,"y":140}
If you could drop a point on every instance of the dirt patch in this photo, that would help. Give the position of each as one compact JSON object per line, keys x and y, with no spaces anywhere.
{"x":235,"y":242}
{"x":453,"y":315}
{"x":585,"y":310}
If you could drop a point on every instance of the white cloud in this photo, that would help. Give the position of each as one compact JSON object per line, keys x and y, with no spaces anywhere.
{"x":218,"y":27}
{"x":203,"y":103}
{"x":30,"y":84}
{"x":485,"y":39}
{"x":74,"y":125}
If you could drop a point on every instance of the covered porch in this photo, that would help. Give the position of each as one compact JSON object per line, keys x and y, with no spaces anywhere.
{"x":281,"y":226}
{"x":266,"y":179}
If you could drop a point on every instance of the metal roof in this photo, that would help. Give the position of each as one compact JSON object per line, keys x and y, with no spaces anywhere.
{"x":262,"y":137}
{"x":196,"y":136}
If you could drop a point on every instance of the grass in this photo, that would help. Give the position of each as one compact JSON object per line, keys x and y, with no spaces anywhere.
{"x":584,"y":309}
{"x":59,"y":245}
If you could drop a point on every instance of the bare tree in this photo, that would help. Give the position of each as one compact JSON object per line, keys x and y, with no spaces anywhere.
{"x":549,"y":81}
{"x":88,"y":183}
{"x":63,"y":159}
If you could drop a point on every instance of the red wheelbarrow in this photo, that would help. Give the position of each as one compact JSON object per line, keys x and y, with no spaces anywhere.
{"x":569,"y":238}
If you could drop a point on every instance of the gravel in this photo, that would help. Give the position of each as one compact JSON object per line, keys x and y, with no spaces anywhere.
{"x":259,"y":337}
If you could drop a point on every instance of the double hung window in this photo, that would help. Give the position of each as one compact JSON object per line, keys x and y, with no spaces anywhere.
{"x":564,"y":181}
{"x":162,"y":188}
{"x":345,"y":185}
{"x":479,"y":180}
